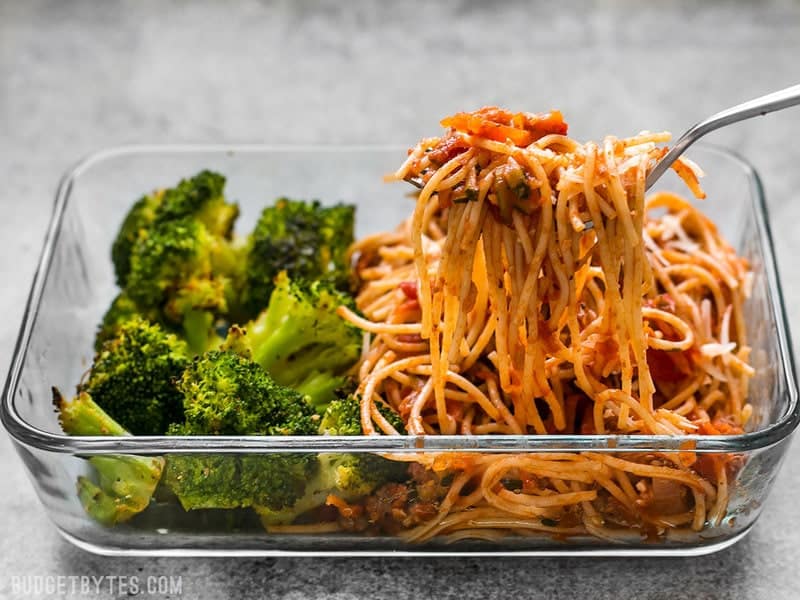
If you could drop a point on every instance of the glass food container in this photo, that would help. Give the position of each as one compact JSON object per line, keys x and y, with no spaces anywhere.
{"x":74,"y":284}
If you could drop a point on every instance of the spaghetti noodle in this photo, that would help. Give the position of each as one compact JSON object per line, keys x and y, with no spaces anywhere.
{"x":537,"y":290}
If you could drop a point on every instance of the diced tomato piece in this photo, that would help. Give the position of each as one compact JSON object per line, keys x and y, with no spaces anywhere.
{"x":409,"y":288}
{"x":407,"y":309}
{"x":662,"y":367}
{"x":706,"y":466}
{"x":449,"y":147}
{"x":455,"y":409}
{"x":501,"y":125}
{"x":587,"y":423}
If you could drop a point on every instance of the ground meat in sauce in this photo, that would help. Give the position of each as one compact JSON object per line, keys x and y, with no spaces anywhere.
{"x":390,"y":509}
{"x":396,"y":506}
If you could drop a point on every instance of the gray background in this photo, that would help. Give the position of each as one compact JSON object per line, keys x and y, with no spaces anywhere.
{"x":78,"y":76}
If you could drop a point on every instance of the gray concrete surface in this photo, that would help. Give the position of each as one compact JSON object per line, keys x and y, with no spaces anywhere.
{"x":78,"y":76}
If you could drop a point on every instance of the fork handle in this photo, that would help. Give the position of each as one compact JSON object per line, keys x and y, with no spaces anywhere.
{"x":752,"y":108}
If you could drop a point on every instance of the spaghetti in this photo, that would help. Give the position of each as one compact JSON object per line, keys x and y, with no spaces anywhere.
{"x":537,"y":290}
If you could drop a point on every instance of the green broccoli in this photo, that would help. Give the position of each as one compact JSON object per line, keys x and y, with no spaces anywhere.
{"x":304,"y":239}
{"x":239,"y":481}
{"x":139,"y":217}
{"x":277,"y":480}
{"x":176,"y":271}
{"x":359,"y":474}
{"x":301,"y":341}
{"x":131,"y":377}
{"x":122,"y":310}
{"x":201,"y":197}
{"x":343,"y":417}
{"x":228,"y":394}
{"x":124,"y":483}
{"x":82,"y":416}
{"x":204,"y":480}
{"x":177,"y":261}
{"x":180,"y":268}
{"x":347,"y":475}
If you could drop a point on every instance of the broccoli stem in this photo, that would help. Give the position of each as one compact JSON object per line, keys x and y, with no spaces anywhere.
{"x":99,"y":505}
{"x":316,"y":359}
{"x":83,"y":416}
{"x":320,"y":388}
{"x":125,"y":484}
{"x":197,"y":330}
{"x":272,"y":345}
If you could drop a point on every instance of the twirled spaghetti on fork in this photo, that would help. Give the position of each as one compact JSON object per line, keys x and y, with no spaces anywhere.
{"x":537,"y":290}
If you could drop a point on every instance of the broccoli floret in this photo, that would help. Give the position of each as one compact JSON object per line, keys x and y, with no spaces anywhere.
{"x":318,"y":387}
{"x":357,"y":475}
{"x":140,"y":216}
{"x":122,"y":310}
{"x":124,"y":484}
{"x":305,"y":239}
{"x":202,"y":198}
{"x":131,"y":377}
{"x":301,"y":341}
{"x":197,"y":306}
{"x":176,"y":259}
{"x":300,"y":323}
{"x":199,"y":197}
{"x":277,"y":481}
{"x":348,"y":476}
{"x":175,"y":271}
{"x":343,"y":417}
{"x":228,"y":394}
{"x":204,"y":480}
{"x":239,"y":481}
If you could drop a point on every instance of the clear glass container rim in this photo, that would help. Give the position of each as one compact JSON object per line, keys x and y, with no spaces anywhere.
{"x":28,"y":435}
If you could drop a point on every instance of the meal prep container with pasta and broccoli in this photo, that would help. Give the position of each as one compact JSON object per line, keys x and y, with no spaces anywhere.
{"x":75,"y":282}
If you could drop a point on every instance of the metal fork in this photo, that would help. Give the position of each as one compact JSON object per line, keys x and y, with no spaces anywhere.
{"x":760,"y":106}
